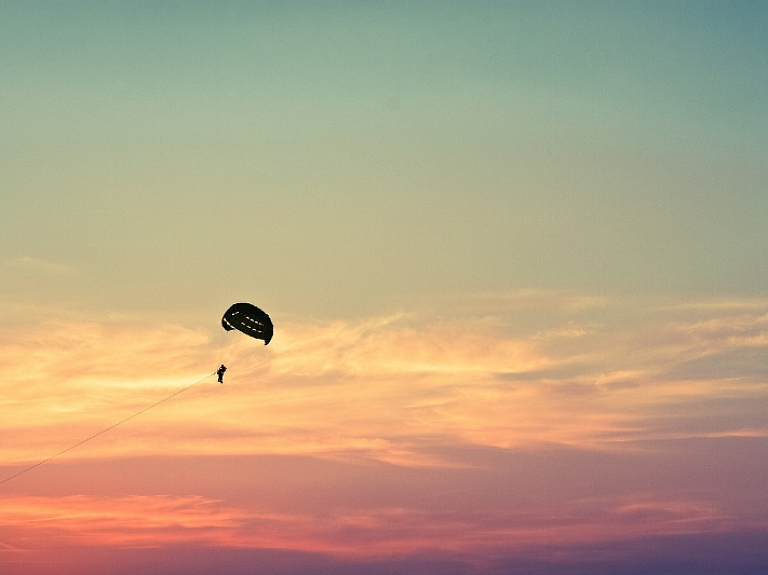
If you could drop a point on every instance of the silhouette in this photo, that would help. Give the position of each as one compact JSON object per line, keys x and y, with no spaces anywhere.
{"x":249,"y":319}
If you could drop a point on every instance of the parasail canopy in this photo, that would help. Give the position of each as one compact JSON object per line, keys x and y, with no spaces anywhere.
{"x":249,"y":319}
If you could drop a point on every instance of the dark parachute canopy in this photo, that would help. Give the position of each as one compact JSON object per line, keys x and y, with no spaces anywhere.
{"x":249,"y":319}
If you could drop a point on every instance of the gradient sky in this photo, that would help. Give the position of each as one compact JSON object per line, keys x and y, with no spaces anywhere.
{"x":516,"y":254}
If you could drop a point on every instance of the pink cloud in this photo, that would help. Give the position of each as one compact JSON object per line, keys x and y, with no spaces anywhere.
{"x":470,"y":434}
{"x":143,"y":521}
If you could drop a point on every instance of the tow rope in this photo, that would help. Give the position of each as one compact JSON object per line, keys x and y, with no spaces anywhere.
{"x":103,"y":431}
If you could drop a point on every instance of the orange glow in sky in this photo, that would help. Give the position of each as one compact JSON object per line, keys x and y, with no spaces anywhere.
{"x":515,"y":255}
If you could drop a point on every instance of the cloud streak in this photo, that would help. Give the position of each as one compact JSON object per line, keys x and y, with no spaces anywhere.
{"x":379,"y":382}
{"x":475,"y":434}
{"x":38,"y":266}
{"x":148,"y":521}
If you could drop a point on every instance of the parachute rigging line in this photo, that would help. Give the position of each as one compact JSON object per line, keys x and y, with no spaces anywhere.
{"x":103,"y":431}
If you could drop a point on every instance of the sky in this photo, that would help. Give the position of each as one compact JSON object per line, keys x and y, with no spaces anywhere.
{"x":515,"y":253}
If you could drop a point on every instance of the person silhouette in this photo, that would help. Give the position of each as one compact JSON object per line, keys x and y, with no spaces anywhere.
{"x":220,"y":372}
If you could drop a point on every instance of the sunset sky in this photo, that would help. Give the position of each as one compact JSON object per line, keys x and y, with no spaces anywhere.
{"x":516,"y":255}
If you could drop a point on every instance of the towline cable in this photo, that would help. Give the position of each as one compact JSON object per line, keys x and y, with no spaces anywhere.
{"x":103,"y":431}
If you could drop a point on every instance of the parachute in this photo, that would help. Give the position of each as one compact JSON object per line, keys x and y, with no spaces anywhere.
{"x":250,"y":320}
{"x":244,"y":317}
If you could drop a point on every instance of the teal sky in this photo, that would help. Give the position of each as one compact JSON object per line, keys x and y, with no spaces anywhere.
{"x":516,"y":256}
{"x":343,"y":158}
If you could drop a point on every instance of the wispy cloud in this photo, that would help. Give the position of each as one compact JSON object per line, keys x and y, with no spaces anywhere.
{"x":378,"y":382}
{"x":34,"y":265}
{"x":165,"y":520}
{"x":468,"y":433}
